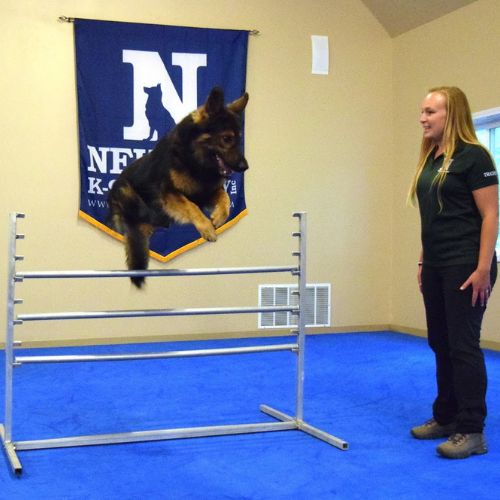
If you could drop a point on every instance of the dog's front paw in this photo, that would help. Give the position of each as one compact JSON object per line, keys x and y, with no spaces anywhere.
{"x":208,"y":232}
{"x":219,"y":216}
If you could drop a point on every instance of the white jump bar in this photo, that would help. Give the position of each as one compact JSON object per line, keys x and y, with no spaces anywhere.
{"x":153,"y":313}
{"x":153,"y":272}
{"x":154,"y":355}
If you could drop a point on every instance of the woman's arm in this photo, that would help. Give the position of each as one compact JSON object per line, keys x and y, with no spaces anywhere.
{"x":487,"y":203}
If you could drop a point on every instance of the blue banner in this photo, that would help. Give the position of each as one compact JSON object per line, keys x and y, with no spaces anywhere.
{"x":134,"y":83}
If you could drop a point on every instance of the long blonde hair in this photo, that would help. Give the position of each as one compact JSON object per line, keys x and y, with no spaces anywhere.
{"x":458,"y":127}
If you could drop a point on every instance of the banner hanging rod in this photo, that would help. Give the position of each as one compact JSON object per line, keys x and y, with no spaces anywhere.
{"x":66,"y":19}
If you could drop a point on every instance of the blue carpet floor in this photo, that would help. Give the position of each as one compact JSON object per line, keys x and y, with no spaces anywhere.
{"x":368,"y":389}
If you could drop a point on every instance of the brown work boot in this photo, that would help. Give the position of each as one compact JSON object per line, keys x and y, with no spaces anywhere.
{"x":432,"y":430}
{"x":463,"y":445}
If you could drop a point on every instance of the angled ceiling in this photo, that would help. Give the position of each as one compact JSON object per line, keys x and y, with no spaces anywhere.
{"x":399,"y":16}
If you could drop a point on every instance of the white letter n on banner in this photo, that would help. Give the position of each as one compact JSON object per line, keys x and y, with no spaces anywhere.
{"x":150,"y":71}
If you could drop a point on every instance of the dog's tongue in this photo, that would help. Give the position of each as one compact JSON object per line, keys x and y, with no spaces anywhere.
{"x":223,"y":168}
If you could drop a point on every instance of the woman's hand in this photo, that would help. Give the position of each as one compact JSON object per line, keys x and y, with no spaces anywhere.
{"x":481,"y":286}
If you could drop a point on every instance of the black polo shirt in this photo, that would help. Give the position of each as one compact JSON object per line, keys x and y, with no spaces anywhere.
{"x":451,"y":234}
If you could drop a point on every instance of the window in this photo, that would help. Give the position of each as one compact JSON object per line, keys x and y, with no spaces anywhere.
{"x":487,"y":124}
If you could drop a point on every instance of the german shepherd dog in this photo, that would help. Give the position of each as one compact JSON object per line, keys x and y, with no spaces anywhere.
{"x":180,"y":177}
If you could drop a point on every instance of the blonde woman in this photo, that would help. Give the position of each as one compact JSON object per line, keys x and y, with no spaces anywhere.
{"x":456,"y":185}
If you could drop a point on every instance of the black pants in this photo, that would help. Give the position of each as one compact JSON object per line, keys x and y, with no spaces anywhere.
{"x":454,"y":328}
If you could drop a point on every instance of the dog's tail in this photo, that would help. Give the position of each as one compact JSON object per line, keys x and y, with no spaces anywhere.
{"x":137,"y":250}
{"x":129,"y":215}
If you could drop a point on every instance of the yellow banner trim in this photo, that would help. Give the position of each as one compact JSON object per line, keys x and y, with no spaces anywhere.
{"x":173,"y":254}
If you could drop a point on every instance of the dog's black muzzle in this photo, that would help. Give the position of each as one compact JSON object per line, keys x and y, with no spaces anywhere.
{"x":242,"y":166}
{"x":226,"y":169}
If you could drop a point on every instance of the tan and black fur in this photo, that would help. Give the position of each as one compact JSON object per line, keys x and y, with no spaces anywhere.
{"x":183,"y":174}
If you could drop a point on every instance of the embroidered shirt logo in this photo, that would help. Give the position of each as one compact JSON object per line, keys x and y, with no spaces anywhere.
{"x":493,"y":173}
{"x":446,"y":168}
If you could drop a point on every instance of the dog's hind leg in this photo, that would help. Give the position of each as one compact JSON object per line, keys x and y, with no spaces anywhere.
{"x":137,"y":249}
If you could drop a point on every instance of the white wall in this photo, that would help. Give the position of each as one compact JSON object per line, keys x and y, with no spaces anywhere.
{"x":317,"y":143}
{"x":342,"y":147}
{"x":459,"y":49}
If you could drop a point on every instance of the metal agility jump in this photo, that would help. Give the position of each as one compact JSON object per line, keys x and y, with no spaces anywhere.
{"x":285,"y":422}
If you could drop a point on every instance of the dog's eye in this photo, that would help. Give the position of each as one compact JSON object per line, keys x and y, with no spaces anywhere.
{"x":227,"y":140}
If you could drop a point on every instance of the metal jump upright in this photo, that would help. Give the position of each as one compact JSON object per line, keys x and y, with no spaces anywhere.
{"x":285,"y":422}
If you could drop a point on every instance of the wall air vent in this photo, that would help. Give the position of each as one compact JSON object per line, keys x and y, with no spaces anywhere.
{"x":316,"y":310}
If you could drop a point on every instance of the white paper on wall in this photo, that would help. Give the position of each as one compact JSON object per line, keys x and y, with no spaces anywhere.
{"x":320,"y":56}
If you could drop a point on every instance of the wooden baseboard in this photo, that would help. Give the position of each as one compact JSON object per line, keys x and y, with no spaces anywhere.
{"x":271,"y":332}
{"x":486,"y":344}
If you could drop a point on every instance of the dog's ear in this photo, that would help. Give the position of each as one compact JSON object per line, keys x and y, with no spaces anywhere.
{"x":215,"y":101}
{"x":239,"y":105}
